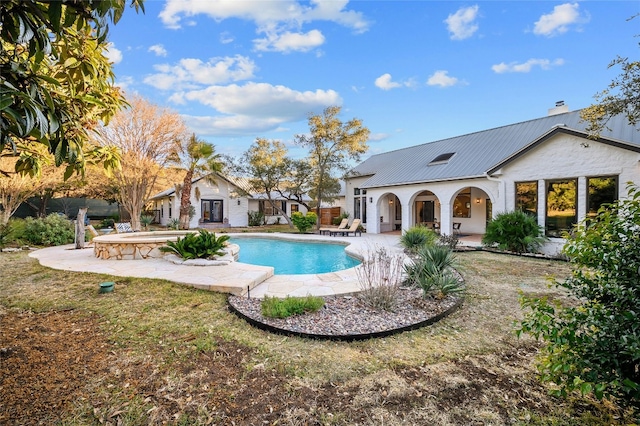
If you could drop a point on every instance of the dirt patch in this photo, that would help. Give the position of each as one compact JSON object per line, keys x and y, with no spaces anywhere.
{"x":46,"y":363}
{"x":55,"y":360}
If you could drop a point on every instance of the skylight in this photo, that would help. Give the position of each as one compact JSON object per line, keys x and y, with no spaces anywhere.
{"x":442,"y":158}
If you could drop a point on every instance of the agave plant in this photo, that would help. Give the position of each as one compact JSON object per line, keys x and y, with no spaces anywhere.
{"x":431,"y":271}
{"x":416,"y":237}
{"x":204,"y":245}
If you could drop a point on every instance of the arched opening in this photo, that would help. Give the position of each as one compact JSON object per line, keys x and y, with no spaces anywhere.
{"x":390,"y":211}
{"x":471,"y":209}
{"x":426,"y":210}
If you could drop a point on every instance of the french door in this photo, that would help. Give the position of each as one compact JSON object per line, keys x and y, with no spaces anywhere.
{"x":212,"y":211}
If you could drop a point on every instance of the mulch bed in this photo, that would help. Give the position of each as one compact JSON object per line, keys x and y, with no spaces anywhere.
{"x":350,"y":318}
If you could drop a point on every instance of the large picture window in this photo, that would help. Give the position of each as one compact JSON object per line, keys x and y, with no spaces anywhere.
{"x":527,"y":198}
{"x":561,"y":206}
{"x":602,"y":190}
{"x":462,"y":204}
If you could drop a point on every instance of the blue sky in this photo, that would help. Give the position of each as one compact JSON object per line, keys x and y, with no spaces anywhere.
{"x":413,"y":71}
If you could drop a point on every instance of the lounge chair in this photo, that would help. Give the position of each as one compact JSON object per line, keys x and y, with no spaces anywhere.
{"x":92,"y":231}
{"x":353,"y":229}
{"x":343,"y":225}
{"x":123,"y":227}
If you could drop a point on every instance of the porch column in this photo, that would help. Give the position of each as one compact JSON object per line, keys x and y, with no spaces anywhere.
{"x":581,"y":206}
{"x":445,"y":219}
{"x":406,"y":215}
{"x":542,"y":203}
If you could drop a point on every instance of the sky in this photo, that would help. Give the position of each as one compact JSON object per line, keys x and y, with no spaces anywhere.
{"x":412,"y":71}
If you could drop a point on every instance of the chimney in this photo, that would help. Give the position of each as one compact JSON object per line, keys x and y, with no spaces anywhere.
{"x":560,"y":108}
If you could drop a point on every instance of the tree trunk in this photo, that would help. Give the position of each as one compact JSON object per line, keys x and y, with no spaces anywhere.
{"x":80,"y":228}
{"x":185,"y":200}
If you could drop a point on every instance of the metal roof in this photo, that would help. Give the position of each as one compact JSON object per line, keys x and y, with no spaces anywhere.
{"x":478,"y":153}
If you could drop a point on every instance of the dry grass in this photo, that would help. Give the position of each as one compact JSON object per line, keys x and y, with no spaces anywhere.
{"x":178,"y":355}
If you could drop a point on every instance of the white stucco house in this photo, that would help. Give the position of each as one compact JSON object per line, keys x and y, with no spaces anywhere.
{"x":547,"y":167}
{"x":220,"y":202}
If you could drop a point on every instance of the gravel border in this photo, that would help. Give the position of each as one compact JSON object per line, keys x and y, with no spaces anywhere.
{"x":349,"y":318}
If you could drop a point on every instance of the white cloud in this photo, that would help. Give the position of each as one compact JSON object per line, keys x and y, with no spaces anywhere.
{"x":288,"y":41}
{"x":113,"y":55}
{"x":265,"y":13}
{"x":158,"y":49}
{"x":462,"y":24}
{"x":125,"y":83}
{"x":544,"y":64}
{"x":442,"y":79}
{"x":384,"y":82}
{"x":558,"y":21}
{"x":254,"y":107}
{"x":191,"y":73}
{"x":279,"y":20}
{"x":226,"y":38}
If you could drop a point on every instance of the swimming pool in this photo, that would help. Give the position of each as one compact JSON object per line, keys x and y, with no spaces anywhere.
{"x":294,"y":257}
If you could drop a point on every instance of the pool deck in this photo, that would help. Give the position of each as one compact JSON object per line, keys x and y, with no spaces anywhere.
{"x":237,"y":278}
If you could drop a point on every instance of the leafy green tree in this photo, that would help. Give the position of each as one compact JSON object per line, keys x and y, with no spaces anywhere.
{"x":515,"y":231}
{"x":620,"y":97}
{"x":593,"y":344}
{"x":197,"y":157}
{"x":267,"y":166}
{"x":332,"y":144}
{"x":55,"y":81}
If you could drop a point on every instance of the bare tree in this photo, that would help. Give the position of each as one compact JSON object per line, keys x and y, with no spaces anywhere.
{"x":146,"y":136}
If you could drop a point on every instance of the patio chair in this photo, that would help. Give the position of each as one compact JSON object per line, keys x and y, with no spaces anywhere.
{"x":343,"y":225}
{"x":353,"y":229}
{"x":92,"y":231}
{"x":456,"y":228}
{"x":123,"y":227}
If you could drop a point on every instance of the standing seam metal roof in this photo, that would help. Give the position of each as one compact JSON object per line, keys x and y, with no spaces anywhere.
{"x":477,"y":153}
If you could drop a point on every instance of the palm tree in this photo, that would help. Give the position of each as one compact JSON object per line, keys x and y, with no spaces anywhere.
{"x":197,"y":157}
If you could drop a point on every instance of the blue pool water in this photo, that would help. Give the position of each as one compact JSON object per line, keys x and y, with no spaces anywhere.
{"x":294,"y":257}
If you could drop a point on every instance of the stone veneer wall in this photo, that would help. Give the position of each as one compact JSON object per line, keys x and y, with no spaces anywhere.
{"x":127,"y":250}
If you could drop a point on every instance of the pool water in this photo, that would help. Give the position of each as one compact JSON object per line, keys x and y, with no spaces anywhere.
{"x":294,"y":257}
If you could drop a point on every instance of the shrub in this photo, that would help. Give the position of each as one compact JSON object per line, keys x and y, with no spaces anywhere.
{"x":380,"y":277}
{"x":204,"y":245}
{"x":273,"y":307}
{"x":146,"y":220}
{"x":5,"y":234}
{"x":107,"y":223}
{"x":416,"y":237}
{"x":431,"y":271}
{"x":593,"y":345}
{"x":338,"y":219}
{"x":53,"y":230}
{"x":304,"y":222}
{"x":174,"y":224}
{"x":514,"y":231}
{"x":450,"y":241}
{"x":256,"y":218}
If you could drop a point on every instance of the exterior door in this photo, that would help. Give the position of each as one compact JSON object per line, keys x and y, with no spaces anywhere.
{"x":212,"y":211}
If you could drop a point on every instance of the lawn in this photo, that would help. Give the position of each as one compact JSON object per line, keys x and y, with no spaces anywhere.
{"x":153,"y":352}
